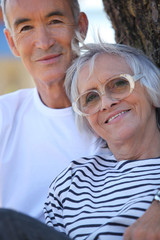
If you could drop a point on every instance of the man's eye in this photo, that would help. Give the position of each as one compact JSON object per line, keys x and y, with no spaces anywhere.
{"x":55,"y":21}
{"x":25,"y":28}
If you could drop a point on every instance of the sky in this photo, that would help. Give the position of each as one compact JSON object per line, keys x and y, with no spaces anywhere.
{"x":98,"y":21}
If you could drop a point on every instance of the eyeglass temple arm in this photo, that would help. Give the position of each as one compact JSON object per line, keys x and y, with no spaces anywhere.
{"x":137,"y":77}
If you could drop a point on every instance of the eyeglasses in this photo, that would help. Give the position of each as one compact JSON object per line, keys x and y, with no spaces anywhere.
{"x":116,"y":88}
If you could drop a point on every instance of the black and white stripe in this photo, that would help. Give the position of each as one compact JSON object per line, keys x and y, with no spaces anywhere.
{"x":98,"y":197}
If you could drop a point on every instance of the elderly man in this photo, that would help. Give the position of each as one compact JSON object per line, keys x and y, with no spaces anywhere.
{"x":38,"y":135}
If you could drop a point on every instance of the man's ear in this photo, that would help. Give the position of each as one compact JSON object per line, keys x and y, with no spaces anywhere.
{"x":11,"y":42}
{"x":83,"y":24}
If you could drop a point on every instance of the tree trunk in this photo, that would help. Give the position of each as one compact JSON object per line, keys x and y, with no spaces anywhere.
{"x":136,"y":23}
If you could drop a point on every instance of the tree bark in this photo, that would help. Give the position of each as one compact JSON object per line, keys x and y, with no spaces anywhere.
{"x":136,"y":23}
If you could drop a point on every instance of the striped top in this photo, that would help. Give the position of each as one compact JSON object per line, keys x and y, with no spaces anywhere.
{"x":98,"y":197}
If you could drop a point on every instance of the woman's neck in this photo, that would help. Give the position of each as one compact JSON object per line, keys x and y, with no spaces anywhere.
{"x":140,"y":148}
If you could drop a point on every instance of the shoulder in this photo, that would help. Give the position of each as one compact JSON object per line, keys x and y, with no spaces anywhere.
{"x":102,"y":158}
{"x":16,"y":97}
{"x":77,"y":169}
{"x":11,"y":104}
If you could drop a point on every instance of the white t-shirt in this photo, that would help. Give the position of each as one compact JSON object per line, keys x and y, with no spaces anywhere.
{"x":36,"y":144}
{"x":98,"y":197}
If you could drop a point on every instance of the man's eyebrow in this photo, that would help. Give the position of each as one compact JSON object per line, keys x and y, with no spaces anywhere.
{"x":54,"y":13}
{"x":19,"y":21}
{"x":23,"y":20}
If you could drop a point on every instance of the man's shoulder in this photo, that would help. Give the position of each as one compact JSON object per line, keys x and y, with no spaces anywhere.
{"x":12,"y":103}
{"x":17,"y":96}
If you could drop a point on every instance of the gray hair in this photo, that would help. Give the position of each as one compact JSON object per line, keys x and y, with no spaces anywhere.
{"x":3,"y":6}
{"x":136,"y":60}
{"x":74,"y":7}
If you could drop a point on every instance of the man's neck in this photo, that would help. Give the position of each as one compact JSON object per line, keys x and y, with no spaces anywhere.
{"x":54,"y":97}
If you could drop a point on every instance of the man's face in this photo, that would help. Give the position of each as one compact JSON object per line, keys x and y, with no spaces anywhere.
{"x":41,"y":34}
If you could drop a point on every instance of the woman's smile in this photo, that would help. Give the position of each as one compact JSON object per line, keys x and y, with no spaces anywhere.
{"x":116,"y":117}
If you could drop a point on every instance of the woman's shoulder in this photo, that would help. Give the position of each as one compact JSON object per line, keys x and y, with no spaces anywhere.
{"x":102,"y":159}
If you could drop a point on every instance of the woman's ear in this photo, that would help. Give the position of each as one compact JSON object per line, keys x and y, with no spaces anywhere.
{"x":83,"y":24}
{"x":11,"y":42}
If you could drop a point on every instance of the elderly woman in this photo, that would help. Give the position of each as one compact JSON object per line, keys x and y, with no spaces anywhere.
{"x":115,"y":91}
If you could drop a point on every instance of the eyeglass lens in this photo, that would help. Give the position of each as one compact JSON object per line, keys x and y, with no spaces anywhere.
{"x":115,"y":89}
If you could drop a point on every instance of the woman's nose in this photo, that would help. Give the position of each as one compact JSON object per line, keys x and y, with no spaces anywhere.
{"x":107,"y":102}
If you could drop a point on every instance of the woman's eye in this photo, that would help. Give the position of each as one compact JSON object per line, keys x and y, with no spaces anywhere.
{"x":117,"y":85}
{"x":121,"y":83}
{"x":91,"y":97}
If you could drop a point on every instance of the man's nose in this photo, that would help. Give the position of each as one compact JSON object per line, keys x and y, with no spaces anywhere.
{"x":107,"y":102}
{"x":44,"y":39}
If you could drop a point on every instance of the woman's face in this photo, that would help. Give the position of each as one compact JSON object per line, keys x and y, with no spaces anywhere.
{"x":118,"y":120}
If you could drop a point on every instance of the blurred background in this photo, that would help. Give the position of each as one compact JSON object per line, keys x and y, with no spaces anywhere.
{"x":13,"y":74}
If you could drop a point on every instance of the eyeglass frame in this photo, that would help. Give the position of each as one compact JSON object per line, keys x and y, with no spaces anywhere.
{"x":131,"y":80}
